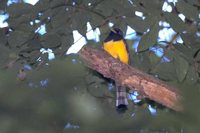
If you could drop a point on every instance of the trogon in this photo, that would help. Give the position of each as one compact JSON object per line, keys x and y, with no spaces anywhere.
{"x":117,"y":47}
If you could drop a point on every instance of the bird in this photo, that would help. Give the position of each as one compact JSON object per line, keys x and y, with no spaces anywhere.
{"x":116,"y":46}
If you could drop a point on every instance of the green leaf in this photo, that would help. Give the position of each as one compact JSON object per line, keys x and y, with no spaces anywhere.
{"x":96,"y":20}
{"x":141,"y":25}
{"x":194,"y":2}
{"x":5,"y":53}
{"x":149,"y":39}
{"x":198,"y":56}
{"x":188,"y":52}
{"x":20,"y":22}
{"x":165,"y":71}
{"x":33,"y":56}
{"x":19,"y":9}
{"x":144,"y":63}
{"x":55,"y":3}
{"x":181,"y":66}
{"x":46,"y":14}
{"x":3,"y":5}
{"x":85,"y":2}
{"x":79,"y":22}
{"x":169,"y":54}
{"x":104,"y":9}
{"x":134,"y":59}
{"x":191,"y":41}
{"x":51,"y":40}
{"x":32,"y":45}
{"x":152,"y":6}
{"x":192,"y":75}
{"x":175,"y":22}
{"x":66,"y":41}
{"x":105,"y":30}
{"x":17,"y":38}
{"x":3,"y":38}
{"x":60,"y":17}
{"x":154,"y":59}
{"x":137,"y":23}
{"x":41,"y":6}
{"x":94,"y":44}
{"x":188,"y":10}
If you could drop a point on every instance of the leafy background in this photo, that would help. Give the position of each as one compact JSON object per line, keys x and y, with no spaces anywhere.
{"x":38,"y":95}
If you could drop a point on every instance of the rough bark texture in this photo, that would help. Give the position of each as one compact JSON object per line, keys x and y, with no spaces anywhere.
{"x":132,"y":78}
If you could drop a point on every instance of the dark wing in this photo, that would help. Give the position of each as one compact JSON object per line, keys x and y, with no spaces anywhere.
{"x":127,"y":48}
{"x":113,"y":36}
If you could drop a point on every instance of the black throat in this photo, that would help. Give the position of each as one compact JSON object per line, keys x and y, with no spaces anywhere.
{"x":113,"y":37}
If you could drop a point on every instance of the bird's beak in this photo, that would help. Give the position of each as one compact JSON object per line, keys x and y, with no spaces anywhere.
{"x":113,"y":30}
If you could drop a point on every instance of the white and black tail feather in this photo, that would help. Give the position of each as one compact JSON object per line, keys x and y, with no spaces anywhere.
{"x":121,"y":99}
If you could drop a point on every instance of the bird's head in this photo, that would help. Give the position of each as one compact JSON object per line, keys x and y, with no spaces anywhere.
{"x":117,"y":31}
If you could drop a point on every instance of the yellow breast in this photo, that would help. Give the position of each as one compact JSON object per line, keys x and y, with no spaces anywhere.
{"x":117,"y":49}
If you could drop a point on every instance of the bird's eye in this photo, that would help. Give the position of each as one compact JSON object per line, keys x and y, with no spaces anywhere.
{"x":118,"y":31}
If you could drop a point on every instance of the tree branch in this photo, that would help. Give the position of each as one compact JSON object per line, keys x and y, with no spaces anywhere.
{"x":131,"y":77}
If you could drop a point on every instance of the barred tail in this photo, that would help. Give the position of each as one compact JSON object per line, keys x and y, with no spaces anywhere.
{"x":121,"y":98}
